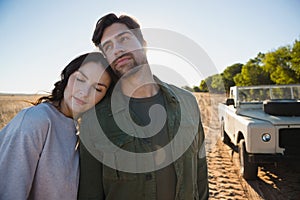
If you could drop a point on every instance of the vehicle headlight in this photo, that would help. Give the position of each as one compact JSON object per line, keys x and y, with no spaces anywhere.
{"x":266,"y":137}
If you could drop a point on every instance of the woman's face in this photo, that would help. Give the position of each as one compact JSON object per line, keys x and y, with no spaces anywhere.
{"x":85,"y":88}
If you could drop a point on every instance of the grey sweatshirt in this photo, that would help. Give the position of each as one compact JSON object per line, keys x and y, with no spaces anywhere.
{"x":38,"y":159}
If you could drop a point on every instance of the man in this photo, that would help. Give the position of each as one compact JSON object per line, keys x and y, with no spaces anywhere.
{"x":129,"y":118}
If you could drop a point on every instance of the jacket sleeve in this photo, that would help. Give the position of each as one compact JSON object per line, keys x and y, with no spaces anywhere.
{"x":90,"y":181}
{"x":21,"y":143}
{"x":202,"y":177}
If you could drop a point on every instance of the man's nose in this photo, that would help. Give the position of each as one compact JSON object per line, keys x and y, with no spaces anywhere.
{"x":119,"y":49}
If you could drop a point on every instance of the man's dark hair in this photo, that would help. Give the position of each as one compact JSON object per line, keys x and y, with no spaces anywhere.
{"x":110,"y":19}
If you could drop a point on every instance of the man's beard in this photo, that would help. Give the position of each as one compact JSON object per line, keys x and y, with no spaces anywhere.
{"x":130,"y":70}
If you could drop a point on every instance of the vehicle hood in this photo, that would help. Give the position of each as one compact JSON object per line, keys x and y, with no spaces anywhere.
{"x":275,"y":120}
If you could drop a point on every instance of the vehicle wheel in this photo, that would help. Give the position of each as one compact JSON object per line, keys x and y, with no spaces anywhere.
{"x":248,"y":170}
{"x":224,"y":136}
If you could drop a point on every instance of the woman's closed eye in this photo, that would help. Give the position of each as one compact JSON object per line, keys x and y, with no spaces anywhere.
{"x":99,"y":89}
{"x":80,"y":79}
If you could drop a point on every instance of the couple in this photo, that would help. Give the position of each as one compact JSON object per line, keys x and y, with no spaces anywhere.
{"x":38,"y":159}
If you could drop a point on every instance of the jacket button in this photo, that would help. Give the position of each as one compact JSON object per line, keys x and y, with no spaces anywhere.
{"x":148,"y":177}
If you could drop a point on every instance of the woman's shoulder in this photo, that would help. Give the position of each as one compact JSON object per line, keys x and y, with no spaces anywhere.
{"x":35,"y":116}
{"x":32,"y":122}
{"x":39,"y":112}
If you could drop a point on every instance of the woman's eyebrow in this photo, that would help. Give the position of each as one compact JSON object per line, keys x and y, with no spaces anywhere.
{"x":83,"y":74}
{"x":102,"y":84}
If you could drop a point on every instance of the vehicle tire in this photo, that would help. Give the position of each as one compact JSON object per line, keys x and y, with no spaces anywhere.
{"x":224,"y":137}
{"x":282,"y":107}
{"x":247,"y":170}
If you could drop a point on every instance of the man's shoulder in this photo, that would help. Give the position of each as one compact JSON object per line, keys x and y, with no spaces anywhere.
{"x":180,"y":91}
{"x":104,"y":103}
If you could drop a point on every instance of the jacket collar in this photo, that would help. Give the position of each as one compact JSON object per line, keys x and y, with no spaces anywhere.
{"x":119,"y":102}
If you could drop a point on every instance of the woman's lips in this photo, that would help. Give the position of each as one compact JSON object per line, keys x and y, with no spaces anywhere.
{"x":79,"y":101}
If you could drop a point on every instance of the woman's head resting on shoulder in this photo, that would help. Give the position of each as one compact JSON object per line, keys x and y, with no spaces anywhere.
{"x":84,"y":82}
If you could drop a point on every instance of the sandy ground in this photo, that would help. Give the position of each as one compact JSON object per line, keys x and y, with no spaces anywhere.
{"x":275,"y":181}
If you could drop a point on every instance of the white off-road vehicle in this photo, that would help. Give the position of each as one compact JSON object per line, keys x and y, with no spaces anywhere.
{"x":262,"y":123}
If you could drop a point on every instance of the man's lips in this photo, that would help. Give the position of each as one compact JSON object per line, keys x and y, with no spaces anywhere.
{"x":122,"y":60}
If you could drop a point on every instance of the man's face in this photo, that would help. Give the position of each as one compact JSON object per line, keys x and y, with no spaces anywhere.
{"x":122,"y":49}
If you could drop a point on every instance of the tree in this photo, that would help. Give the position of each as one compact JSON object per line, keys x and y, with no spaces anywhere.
{"x":252,"y":74}
{"x":295,"y":58}
{"x":203,"y":86}
{"x":278,"y":64}
{"x":283,"y":76}
{"x":213,"y":84}
{"x":217,"y":84}
{"x":229,"y":73}
{"x":196,"y":89}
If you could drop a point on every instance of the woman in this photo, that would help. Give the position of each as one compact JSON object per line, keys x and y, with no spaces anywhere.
{"x":38,"y":157}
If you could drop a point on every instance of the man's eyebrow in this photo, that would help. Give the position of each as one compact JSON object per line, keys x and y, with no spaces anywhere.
{"x":106,"y":42}
{"x":123,"y":33}
{"x":116,"y":36}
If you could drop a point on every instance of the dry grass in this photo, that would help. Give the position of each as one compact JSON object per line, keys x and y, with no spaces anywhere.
{"x":10,"y":105}
{"x":208,"y":105}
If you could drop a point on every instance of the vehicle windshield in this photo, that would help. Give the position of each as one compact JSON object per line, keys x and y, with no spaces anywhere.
{"x":261,"y":93}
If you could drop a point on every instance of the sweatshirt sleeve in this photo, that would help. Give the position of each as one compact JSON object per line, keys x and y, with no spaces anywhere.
{"x":21,"y":142}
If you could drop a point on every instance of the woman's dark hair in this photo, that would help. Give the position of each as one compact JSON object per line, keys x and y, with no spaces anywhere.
{"x":59,"y":87}
{"x":110,"y":19}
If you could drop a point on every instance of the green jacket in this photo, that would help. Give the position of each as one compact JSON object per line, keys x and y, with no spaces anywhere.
{"x":98,"y":181}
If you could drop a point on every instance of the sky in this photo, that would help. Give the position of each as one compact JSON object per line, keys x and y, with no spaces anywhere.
{"x":39,"y":39}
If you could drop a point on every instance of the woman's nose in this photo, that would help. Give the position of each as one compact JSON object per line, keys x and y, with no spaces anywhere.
{"x":84,"y":91}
